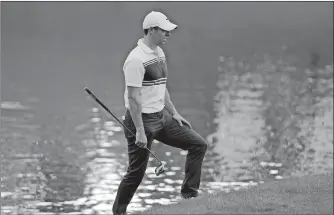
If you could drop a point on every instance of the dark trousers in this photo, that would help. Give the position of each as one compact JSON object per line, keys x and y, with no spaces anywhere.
{"x":162,"y":127}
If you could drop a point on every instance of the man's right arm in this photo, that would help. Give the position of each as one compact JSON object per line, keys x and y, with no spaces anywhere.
{"x":134,"y":72}
{"x":135,"y":107}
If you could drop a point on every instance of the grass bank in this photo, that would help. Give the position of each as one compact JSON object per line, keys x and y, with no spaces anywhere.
{"x":298,"y":195}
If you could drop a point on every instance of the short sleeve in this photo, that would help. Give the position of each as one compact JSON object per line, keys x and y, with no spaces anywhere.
{"x":134,"y":72}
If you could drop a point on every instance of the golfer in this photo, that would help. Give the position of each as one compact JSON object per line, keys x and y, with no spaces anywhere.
{"x":150,"y":113}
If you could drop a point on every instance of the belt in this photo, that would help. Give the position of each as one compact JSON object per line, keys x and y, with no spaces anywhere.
{"x":159,"y":113}
{"x":153,"y":114}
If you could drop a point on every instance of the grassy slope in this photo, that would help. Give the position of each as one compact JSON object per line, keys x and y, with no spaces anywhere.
{"x":299,"y":195}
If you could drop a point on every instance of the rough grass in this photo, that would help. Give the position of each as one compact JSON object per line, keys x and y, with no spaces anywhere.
{"x":298,"y":195}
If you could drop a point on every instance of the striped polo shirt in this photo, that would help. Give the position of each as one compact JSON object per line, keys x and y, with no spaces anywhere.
{"x":147,"y":69}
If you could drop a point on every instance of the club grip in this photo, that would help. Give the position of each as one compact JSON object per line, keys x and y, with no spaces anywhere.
{"x":88,"y":91}
{"x":96,"y":99}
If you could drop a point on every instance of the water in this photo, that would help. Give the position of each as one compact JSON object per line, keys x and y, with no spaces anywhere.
{"x":45,"y":178}
{"x":69,"y":165}
{"x":78,"y":171}
{"x":62,"y":153}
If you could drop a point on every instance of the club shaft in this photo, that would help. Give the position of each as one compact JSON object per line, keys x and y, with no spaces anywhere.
{"x":107,"y":109}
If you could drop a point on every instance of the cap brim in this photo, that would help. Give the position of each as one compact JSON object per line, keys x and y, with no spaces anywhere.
{"x":168,"y":26}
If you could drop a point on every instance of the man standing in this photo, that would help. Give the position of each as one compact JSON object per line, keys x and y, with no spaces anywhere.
{"x":150,"y":113}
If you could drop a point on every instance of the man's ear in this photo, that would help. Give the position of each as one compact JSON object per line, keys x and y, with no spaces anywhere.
{"x":152,"y":29}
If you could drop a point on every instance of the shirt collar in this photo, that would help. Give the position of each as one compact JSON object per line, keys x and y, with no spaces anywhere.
{"x":143,"y":46}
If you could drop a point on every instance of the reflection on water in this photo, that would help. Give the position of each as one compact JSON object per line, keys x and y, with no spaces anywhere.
{"x":72,"y":175}
{"x":42,"y":180}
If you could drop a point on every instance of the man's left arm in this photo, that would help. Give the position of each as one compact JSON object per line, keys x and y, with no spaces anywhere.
{"x":172,"y":110}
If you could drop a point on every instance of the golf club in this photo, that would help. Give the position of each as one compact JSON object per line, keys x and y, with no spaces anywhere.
{"x":160,"y":168}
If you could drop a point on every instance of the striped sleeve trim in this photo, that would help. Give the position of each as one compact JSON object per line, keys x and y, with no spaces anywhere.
{"x":154,"y":61}
{"x":155,"y":82}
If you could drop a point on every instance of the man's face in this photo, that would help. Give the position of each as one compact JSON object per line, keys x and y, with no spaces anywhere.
{"x":160,"y":36}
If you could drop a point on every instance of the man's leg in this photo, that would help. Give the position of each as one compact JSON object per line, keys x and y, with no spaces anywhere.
{"x":185,"y":138}
{"x":138,"y":159}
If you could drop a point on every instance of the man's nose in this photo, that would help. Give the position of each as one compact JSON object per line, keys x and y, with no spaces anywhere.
{"x":168,"y":33}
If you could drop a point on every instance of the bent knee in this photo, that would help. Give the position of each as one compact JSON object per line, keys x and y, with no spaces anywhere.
{"x":202,"y":145}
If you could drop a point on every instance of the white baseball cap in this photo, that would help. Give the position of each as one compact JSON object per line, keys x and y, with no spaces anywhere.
{"x":158,"y":19}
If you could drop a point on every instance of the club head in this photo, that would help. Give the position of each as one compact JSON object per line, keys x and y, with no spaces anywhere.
{"x":160,"y":169}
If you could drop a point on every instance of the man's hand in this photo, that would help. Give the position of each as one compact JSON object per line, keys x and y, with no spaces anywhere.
{"x":180,"y":119}
{"x":141,"y":139}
